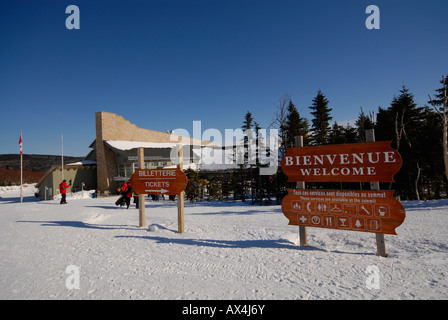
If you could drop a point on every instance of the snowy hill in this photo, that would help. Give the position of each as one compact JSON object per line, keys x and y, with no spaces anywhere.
{"x":229,"y":251}
{"x":34,"y":162}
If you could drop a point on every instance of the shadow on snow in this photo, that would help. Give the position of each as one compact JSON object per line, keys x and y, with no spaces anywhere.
{"x":80,"y":224}
{"x":242,"y":244}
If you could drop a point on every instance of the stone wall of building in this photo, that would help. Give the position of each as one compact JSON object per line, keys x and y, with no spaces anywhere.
{"x":110,"y":126}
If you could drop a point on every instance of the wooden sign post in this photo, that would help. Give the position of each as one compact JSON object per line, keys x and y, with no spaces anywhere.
{"x":380,"y":242}
{"x":166,"y":181}
{"x":366,"y":211}
{"x":298,"y":141}
{"x":180,"y":197}
{"x":141,"y":196}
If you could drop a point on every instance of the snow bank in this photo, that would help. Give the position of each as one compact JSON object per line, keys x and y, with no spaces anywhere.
{"x":14,"y":191}
{"x":76,"y":195}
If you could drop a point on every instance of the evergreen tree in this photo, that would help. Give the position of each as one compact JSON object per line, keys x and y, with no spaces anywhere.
{"x":336,"y":134}
{"x":244,"y":172}
{"x":249,"y":172}
{"x":339,"y":134}
{"x":295,"y":126}
{"x":192,"y":189}
{"x":384,"y":126}
{"x":350,"y":133}
{"x":248,"y":121}
{"x":441,"y":107}
{"x":439,"y":97}
{"x":321,"y":120}
{"x":248,"y":136}
{"x":252,"y":144}
{"x":362,"y":124}
{"x":430,"y":147}
{"x":401,"y":123}
{"x":260,"y":143}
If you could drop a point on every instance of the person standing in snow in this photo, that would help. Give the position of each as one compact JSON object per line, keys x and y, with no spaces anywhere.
{"x":63,"y":190}
{"x":127,"y":199}
{"x":135,"y":195}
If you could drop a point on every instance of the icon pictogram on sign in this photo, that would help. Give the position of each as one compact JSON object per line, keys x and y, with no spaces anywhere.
{"x":382,"y":210}
{"x":350,"y":209}
{"x":322,"y":207}
{"x":315,"y":220}
{"x":297,"y":206}
{"x":310,"y":206}
{"x":374,"y":224}
{"x":358,"y":223}
{"x":366,"y":209}
{"x":343,"y":222}
{"x":303,"y":219}
{"x":336,"y":208}
{"x":329,"y":222}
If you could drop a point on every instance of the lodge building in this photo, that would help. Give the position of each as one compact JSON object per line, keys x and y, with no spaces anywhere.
{"x":113,"y":158}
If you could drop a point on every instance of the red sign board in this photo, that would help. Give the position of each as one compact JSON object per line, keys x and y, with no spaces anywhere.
{"x":357,"y":210}
{"x":357,"y":162}
{"x":159,"y":181}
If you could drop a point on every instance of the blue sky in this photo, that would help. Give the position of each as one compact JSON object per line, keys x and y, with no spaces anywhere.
{"x":164,"y":64}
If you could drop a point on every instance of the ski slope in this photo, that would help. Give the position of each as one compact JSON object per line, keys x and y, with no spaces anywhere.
{"x":230,"y":250}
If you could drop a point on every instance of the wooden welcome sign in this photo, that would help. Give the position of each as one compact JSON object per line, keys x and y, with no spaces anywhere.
{"x":357,"y":162}
{"x":357,"y":210}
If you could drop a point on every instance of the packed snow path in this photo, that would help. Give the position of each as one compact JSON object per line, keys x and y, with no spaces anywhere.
{"x":229,"y":251}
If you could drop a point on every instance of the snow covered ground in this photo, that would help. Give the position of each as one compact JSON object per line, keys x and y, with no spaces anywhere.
{"x":229,"y":251}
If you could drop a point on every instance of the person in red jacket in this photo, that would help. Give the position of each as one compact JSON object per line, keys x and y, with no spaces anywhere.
{"x":129,"y":195}
{"x":63,"y":190}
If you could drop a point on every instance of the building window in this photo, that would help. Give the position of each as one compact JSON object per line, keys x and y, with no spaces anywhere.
{"x":125,"y":169}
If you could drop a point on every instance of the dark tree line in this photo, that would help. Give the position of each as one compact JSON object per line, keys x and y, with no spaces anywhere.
{"x":417,"y":132}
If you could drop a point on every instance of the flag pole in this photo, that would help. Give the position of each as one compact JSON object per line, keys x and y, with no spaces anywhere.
{"x":62,"y":156}
{"x":21,"y":169}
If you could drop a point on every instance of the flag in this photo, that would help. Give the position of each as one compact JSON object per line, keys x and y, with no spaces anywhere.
{"x":21,"y":168}
{"x":20,"y":143}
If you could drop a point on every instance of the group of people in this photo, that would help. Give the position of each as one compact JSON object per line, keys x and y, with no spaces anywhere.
{"x":130,"y":194}
{"x":63,"y":186}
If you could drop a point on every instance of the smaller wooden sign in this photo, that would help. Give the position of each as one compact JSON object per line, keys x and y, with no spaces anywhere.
{"x":358,"y":210}
{"x":159,"y":181}
{"x":356,"y":162}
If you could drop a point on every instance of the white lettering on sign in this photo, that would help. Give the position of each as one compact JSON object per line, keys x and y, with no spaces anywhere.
{"x":157,"y":184}
{"x":369,"y":171}
{"x":344,"y":158}
{"x":157,"y":173}
{"x":389,"y":157}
